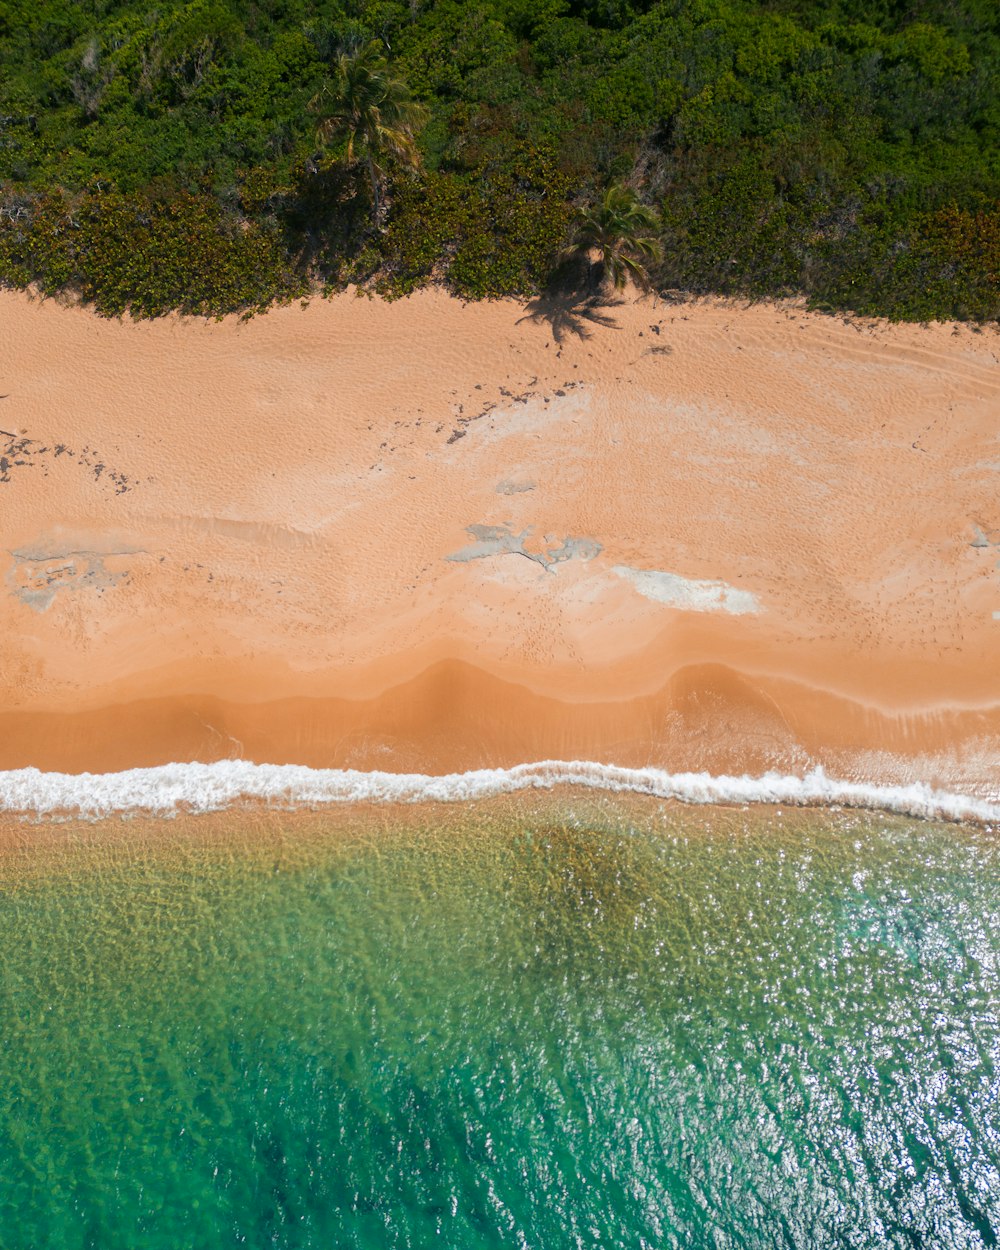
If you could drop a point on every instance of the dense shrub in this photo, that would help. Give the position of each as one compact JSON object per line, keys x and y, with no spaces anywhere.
{"x":129,"y":253}
{"x":495,"y":235}
{"x":166,"y":157}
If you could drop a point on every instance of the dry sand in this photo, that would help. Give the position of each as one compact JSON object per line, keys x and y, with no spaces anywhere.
{"x":694,"y":535}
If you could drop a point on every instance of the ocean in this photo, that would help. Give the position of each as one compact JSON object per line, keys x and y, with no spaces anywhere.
{"x":557,"y":1017}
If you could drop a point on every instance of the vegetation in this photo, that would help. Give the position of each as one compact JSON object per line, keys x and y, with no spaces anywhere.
{"x":166,"y":157}
{"x":619,"y":228}
{"x":373,"y":111}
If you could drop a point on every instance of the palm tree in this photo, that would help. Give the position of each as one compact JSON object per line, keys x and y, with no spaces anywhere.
{"x":618,"y":228}
{"x":370,"y":107}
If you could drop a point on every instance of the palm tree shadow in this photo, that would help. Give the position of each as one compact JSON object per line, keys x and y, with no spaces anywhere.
{"x":572,"y":303}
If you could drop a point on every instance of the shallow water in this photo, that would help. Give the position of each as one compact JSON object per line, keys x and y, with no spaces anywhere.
{"x":575,"y":1022}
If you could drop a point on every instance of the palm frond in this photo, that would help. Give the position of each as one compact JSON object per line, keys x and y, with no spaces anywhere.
{"x":618,"y":229}
{"x":370,"y":108}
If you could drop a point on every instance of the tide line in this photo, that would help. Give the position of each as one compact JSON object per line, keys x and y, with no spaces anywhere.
{"x":169,"y":789}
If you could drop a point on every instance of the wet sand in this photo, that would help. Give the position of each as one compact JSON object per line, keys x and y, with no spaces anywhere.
{"x":428,"y":536}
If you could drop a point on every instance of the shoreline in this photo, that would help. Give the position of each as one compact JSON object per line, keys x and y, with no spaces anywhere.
{"x":237,"y":786}
{"x":432,"y":537}
{"x":708,"y":718}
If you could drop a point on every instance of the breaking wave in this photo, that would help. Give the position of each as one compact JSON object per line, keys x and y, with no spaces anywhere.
{"x":171,"y":788}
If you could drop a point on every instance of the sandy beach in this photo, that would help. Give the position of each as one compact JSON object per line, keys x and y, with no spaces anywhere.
{"x":428,"y":536}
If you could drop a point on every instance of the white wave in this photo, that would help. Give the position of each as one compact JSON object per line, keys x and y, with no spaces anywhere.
{"x":171,"y":788}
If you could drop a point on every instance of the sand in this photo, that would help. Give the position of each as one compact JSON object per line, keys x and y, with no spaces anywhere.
{"x":430,"y":536}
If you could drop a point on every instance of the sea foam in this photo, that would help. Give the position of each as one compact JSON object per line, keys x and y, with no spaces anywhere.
{"x":171,"y":788}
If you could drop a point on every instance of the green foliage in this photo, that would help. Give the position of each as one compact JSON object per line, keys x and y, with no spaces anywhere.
{"x":370,"y":108}
{"x":128,"y":253}
{"x":372,"y":111}
{"x":493,"y":236}
{"x":165,"y":156}
{"x":623,"y":233}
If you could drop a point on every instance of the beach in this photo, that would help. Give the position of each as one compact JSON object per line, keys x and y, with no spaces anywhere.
{"x":426,"y":536}
{"x":407,"y":713}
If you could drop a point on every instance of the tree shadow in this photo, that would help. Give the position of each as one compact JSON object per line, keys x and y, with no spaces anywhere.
{"x":573,"y":302}
{"x":326,"y":219}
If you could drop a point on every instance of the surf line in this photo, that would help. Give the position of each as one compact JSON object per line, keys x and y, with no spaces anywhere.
{"x":170,"y":789}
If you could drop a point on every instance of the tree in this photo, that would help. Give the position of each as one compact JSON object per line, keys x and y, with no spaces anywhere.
{"x":619,"y":228}
{"x":372,"y":109}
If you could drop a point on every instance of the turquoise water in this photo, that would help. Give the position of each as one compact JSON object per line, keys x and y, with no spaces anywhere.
{"x":632,"y":1026}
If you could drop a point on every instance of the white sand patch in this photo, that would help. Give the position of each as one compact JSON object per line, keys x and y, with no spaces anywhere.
{"x":689,"y":594}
